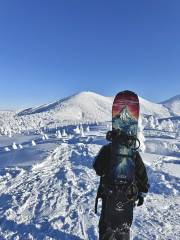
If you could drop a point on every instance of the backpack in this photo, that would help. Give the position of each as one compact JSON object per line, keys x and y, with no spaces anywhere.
{"x":119,"y":181}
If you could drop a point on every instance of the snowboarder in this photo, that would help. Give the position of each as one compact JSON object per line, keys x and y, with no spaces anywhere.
{"x":101,"y":166}
{"x":123,"y":177}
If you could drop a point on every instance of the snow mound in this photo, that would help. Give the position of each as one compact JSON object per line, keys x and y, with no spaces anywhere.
{"x":173,"y":104}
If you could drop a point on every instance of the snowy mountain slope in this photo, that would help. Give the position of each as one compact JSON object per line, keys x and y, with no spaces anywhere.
{"x":150,"y":108}
{"x":54,"y":199}
{"x":86,"y":106}
{"x":173,"y":104}
{"x":78,"y":99}
{"x":89,"y":106}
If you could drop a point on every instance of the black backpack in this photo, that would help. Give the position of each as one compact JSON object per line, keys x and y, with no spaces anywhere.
{"x":119,"y":181}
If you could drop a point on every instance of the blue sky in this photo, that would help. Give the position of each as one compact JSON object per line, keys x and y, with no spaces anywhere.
{"x":52,"y":49}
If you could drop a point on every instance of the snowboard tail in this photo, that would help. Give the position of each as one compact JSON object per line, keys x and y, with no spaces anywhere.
{"x":125,"y":112}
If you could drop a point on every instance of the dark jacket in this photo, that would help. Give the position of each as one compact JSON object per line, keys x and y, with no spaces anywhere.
{"x":101,"y":166}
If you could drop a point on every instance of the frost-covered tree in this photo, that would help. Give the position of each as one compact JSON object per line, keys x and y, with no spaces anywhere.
{"x":170,"y":126}
{"x":46,"y":136}
{"x":167,"y":125}
{"x":64,"y":134}
{"x":82,"y":132}
{"x":6,"y":149}
{"x":163,"y":124}
{"x":156,"y":122}
{"x":144,"y":121}
{"x":177,"y":128}
{"x":20,"y":146}
{"x":165,"y":145}
{"x":14,"y":146}
{"x":96,"y":123}
{"x":159,"y":127}
{"x":33,"y":143}
{"x":141,"y":135}
{"x":81,"y":127}
{"x":58,"y":134}
{"x":76,"y":130}
{"x":87,"y":129}
{"x":151,"y":122}
{"x":174,"y":148}
{"x":9,"y":133}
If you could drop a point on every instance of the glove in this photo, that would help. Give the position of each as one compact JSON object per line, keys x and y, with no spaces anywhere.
{"x":140,"y":199}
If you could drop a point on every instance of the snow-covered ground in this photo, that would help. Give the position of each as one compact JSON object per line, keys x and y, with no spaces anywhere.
{"x":48,"y":186}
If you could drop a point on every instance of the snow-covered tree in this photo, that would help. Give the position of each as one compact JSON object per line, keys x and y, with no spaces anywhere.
{"x":20,"y":146}
{"x":14,"y":146}
{"x":151,"y":122}
{"x":163,"y":124}
{"x":167,"y":125}
{"x":144,"y":121}
{"x":165,"y":145}
{"x":141,"y":135}
{"x":33,"y":143}
{"x":87,"y":129}
{"x":46,"y":136}
{"x":156,"y":122}
{"x":170,"y":126}
{"x":174,"y":148}
{"x":64,"y":134}
{"x":82,"y":132}
{"x":9,"y":133}
{"x":177,"y":128}
{"x":58,"y":134}
{"x":6,"y":149}
{"x":76,"y":130}
{"x":81,"y":127}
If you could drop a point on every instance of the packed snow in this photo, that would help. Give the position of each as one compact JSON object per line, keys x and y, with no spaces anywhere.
{"x":48,"y":186}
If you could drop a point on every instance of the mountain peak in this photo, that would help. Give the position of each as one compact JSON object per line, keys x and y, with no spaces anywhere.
{"x":82,"y":106}
{"x":91,"y":106}
{"x":86,"y":93}
{"x":173,"y":105}
{"x":172,"y":99}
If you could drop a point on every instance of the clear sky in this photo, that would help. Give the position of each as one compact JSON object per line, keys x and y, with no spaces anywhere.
{"x":50,"y":49}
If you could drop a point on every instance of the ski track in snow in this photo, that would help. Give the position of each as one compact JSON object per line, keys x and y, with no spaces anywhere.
{"x":55,"y":199}
{"x":55,"y":194}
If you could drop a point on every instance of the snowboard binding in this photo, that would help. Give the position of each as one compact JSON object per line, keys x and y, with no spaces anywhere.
{"x":125,"y":139}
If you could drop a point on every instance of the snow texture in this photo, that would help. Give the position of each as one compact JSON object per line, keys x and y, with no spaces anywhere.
{"x":48,"y":186}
